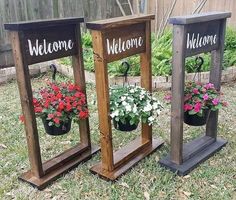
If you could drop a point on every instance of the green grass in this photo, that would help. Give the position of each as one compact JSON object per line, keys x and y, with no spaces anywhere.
{"x":214,"y":179}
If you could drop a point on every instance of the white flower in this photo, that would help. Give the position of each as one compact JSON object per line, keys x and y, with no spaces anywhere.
{"x":135,"y":109}
{"x":114,"y":114}
{"x":155,"y":105}
{"x":123,"y":98}
{"x":132,"y":91}
{"x":124,"y":103}
{"x":141,"y":97}
{"x":128,"y":108}
{"x":147,"y":108}
{"x":151,"y":119}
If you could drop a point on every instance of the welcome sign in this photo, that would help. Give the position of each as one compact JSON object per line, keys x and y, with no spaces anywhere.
{"x":51,"y":43}
{"x":124,"y":42}
{"x":202,"y":37}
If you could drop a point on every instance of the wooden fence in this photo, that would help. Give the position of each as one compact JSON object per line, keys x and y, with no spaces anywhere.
{"x":22,"y":10}
{"x":185,"y":7}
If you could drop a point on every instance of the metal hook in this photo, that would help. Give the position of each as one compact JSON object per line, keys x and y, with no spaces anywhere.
{"x":127,"y":65}
{"x":198,"y":63}
{"x":54,"y":68}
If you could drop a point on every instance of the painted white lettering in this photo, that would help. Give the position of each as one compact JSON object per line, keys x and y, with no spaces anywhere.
{"x":119,"y":46}
{"x":198,"y":41}
{"x":44,"y":47}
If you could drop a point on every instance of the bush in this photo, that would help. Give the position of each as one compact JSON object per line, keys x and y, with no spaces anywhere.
{"x":161,"y":56}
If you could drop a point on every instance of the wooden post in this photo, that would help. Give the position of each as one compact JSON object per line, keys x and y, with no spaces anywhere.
{"x":146,"y":78}
{"x":24,"y":37}
{"x":215,"y":78}
{"x":177,"y":102}
{"x":190,"y":38}
{"x":105,"y":32}
{"x":23,"y":80}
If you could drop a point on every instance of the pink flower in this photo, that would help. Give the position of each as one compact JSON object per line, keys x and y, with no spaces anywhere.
{"x":215,"y":101}
{"x":197,"y":107}
{"x":209,"y":85}
{"x":195,"y":91}
{"x":187,"y":107}
{"x":205,"y":97}
{"x":167,"y":97}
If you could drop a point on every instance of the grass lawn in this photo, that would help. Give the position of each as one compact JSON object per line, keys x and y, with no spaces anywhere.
{"x":213,"y":179}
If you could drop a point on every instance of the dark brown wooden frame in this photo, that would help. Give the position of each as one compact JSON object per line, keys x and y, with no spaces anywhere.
{"x":185,"y":157}
{"x":42,"y":174}
{"x":113,"y":165}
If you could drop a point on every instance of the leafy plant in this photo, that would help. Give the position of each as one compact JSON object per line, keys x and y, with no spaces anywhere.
{"x":133,"y":103}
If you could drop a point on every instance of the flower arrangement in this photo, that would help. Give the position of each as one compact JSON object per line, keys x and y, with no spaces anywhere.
{"x":199,"y":97}
{"x":59,"y":103}
{"x":133,"y":103}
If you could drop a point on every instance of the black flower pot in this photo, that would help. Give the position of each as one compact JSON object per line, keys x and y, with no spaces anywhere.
{"x":124,"y":127}
{"x":53,"y":130}
{"x":195,"y":120}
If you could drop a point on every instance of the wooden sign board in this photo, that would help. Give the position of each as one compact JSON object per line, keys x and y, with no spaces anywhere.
{"x":50,"y":43}
{"x":202,"y":37}
{"x":123,"y":42}
{"x":39,"y":41}
{"x":192,"y":35}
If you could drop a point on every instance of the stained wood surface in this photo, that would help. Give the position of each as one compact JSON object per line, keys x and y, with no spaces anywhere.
{"x":177,"y":90}
{"x":200,"y":156}
{"x":103,"y":101}
{"x":202,"y":32}
{"x":146,"y":77}
{"x":118,"y":36}
{"x":79,"y":79}
{"x":201,"y":17}
{"x":119,"y":21}
{"x":121,"y":169}
{"x":25,"y":90}
{"x":37,"y":24}
{"x":44,"y":181}
{"x":215,"y":78}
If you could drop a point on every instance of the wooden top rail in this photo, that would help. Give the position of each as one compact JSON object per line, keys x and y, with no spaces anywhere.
{"x":118,"y":21}
{"x":196,"y":18}
{"x":36,"y":24}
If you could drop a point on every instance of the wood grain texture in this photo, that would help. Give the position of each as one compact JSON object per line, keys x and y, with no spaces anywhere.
{"x":44,"y":181}
{"x":24,"y":85}
{"x":146,"y":77}
{"x":103,"y":101}
{"x":215,"y":78}
{"x":121,"y":169}
{"x":190,"y":164}
{"x":118,"y":21}
{"x":177,"y":102}
{"x":201,"y":17}
{"x":79,"y":78}
{"x":37,"y":24}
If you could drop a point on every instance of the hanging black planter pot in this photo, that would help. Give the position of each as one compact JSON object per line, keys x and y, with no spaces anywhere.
{"x":195,"y":120}
{"x":53,"y":130}
{"x":124,"y":127}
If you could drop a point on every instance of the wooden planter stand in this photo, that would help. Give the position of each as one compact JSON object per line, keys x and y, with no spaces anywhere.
{"x":191,"y":36}
{"x":112,"y":40}
{"x":34,"y":42}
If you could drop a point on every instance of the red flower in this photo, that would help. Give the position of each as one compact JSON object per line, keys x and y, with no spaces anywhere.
{"x":38,"y":109}
{"x":187,"y":107}
{"x":83,"y":114}
{"x":61,"y":105}
{"x":197,"y":107}
{"x":50,"y":116}
{"x":56,"y":120}
{"x":68,"y":107}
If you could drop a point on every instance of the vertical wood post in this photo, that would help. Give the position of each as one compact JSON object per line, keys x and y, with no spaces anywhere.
{"x":215,"y":78}
{"x":102,"y":87}
{"x":146,"y":77}
{"x":79,"y":77}
{"x":24,"y":85}
{"x":177,"y":88}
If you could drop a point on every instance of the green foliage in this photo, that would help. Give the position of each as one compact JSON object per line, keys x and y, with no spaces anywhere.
{"x":161,"y":56}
